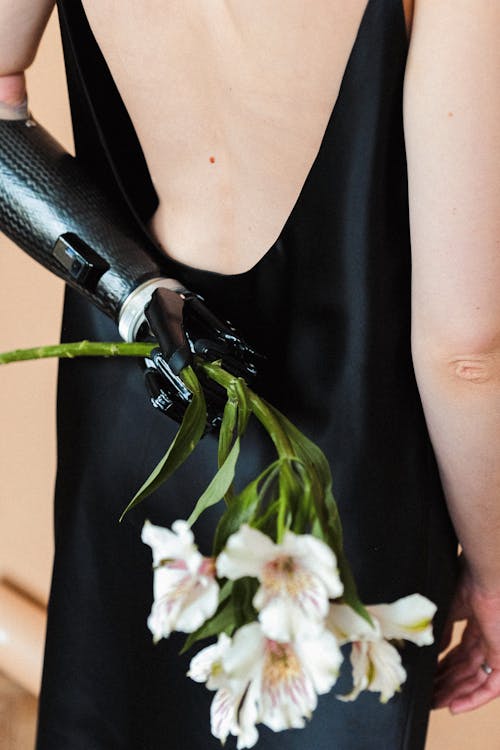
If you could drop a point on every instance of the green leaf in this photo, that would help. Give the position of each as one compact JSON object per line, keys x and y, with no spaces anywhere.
{"x":244,"y":407}
{"x":266,"y":522}
{"x":219,"y":484}
{"x":303,"y":514}
{"x":244,"y":590}
{"x":226,"y":433}
{"x":316,"y":464}
{"x":185,"y":441}
{"x":290,"y":497}
{"x":243,"y":508}
{"x":225,"y":590}
{"x":328,"y":518}
{"x":237,"y":411}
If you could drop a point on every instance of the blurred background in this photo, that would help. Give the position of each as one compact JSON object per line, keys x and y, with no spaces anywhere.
{"x":30,"y":311}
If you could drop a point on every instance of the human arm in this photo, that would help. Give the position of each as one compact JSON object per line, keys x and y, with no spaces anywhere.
{"x":452,"y":119}
{"x":22,"y":23}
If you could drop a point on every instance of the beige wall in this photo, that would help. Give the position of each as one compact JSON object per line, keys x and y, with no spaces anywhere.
{"x":30,"y":305}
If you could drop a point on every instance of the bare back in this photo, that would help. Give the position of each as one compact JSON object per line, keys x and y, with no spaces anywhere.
{"x":230,"y":101}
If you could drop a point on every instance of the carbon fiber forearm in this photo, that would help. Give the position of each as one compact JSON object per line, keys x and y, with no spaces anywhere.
{"x":53,"y":210}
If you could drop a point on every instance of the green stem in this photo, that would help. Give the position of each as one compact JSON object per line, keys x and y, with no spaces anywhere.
{"x":79,"y":349}
{"x":259,"y":408}
{"x":269,"y":421}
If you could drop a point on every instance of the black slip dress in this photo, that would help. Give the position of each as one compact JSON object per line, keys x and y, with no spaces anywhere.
{"x":329,"y":305}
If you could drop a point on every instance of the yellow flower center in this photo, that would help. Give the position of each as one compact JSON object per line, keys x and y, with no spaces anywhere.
{"x":280,"y":664}
{"x":284,"y":575}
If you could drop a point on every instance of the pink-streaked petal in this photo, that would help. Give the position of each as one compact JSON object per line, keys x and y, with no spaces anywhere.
{"x":167,"y":580}
{"x":313,"y":600}
{"x":200,"y":604}
{"x":288,"y":577}
{"x":287,"y":692}
{"x":287,"y":704}
{"x":248,"y":716}
{"x":287,"y":712}
{"x":245,"y":553}
{"x":317,"y":557}
{"x":162,"y":620}
{"x":409,"y":618}
{"x":224,"y":714}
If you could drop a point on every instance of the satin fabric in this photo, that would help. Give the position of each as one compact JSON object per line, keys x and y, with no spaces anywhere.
{"x":329,"y":305}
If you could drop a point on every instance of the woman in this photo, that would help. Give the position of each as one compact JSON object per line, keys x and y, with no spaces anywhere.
{"x":270,"y":126}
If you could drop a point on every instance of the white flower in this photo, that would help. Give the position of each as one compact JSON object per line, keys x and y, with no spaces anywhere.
{"x":376,"y":667}
{"x":207,"y":667}
{"x":263,"y":680}
{"x":409,"y":618}
{"x":185,"y":590}
{"x":297,"y":579}
{"x":376,"y":663}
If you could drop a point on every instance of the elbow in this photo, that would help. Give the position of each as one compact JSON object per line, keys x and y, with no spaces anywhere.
{"x":475,"y":369}
{"x":468,"y":357}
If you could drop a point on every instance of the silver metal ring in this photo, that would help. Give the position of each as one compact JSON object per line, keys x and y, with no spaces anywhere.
{"x":486,"y":668}
{"x":132,"y":311}
{"x":14,"y":111}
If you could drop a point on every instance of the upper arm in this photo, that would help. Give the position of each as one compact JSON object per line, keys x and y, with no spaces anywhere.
{"x":21,"y":26}
{"x":452,"y":132}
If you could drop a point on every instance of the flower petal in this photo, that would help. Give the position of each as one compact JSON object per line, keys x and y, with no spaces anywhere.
{"x":248,"y":716}
{"x":287,"y":711}
{"x":184,"y":585}
{"x":166,"y":580}
{"x":348,"y":626}
{"x":321,"y":657}
{"x":409,"y":618}
{"x":174,"y":545}
{"x":360,"y":670}
{"x":282,"y":619}
{"x":318,"y":557}
{"x":287,"y":693}
{"x":387,"y":671}
{"x":202,"y":664}
{"x":245,"y":553}
{"x":200,"y":604}
{"x":224,"y":714}
{"x":246,"y":655}
{"x":376,"y":667}
{"x":162,"y":619}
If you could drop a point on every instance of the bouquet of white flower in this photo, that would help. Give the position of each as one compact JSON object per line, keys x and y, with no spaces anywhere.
{"x":278,"y":592}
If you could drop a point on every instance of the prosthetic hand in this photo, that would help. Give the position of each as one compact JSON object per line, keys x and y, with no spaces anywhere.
{"x":55,"y":212}
{"x":184,"y":327}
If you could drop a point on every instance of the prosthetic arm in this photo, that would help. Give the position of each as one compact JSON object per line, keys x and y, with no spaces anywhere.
{"x":54,"y":211}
